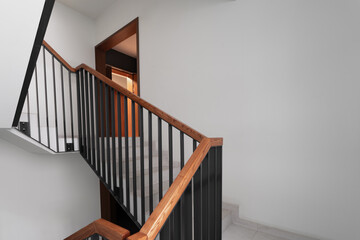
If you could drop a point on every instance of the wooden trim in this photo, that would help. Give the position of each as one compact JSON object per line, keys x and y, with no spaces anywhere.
{"x":162,"y":211}
{"x":122,"y":73}
{"x":166,"y":117}
{"x":138,"y":236}
{"x":215,"y":142}
{"x":103,"y":228}
{"x":66,"y":64}
{"x":83,"y":233}
{"x":119,"y":36}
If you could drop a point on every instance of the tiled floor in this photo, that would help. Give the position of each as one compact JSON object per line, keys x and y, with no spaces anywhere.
{"x":236,"y":232}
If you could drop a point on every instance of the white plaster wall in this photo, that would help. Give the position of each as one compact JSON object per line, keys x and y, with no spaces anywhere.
{"x":45,"y":196}
{"x":19,"y":21}
{"x":72,"y":35}
{"x":279,"y":80}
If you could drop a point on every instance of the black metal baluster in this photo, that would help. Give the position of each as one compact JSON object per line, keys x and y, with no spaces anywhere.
{"x":133,"y":128}
{"x":107,"y":136}
{"x":182,"y":214}
{"x":171,"y":173}
{"x":150,"y":164}
{"x":171,"y":217}
{"x":92,"y":118}
{"x":160,"y":158}
{"x":55,"y":106}
{"x":113,"y":137}
{"x":88,"y":136}
{"x":79,"y":110}
{"x":121,"y":193}
{"x":198,"y":208}
{"x":218,"y":192}
{"x":127,"y":171}
{"x":182,"y":150}
{"x":84,"y":150}
{"x":102,"y":120}
{"x":37,"y":103}
{"x":63,"y":104}
{"x":142,"y":167}
{"x":46,"y":100}
{"x":212,"y":197}
{"x":205,"y":197}
{"x":186,"y":220}
{"x":71,"y":111}
{"x":97,"y":117}
{"x":28,"y":114}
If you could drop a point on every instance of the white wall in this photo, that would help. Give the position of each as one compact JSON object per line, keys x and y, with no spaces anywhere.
{"x":279,"y":80}
{"x":45,"y":196}
{"x":72,"y":35}
{"x":19,"y":21}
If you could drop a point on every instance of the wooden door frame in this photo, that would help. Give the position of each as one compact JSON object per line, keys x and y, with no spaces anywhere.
{"x":110,"y":42}
{"x":109,"y":206}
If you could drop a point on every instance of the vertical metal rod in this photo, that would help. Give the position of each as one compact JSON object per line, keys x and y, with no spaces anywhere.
{"x":92,"y":118}
{"x":194,"y":145}
{"x":142,"y":167}
{"x":84,"y":150}
{"x":37,"y":103}
{"x":205,"y":197}
{"x":79,"y":110}
{"x":171,"y":177}
{"x":182,"y":150}
{"x":63,"y":103}
{"x":127,"y":171}
{"x":71,"y":110}
{"x":150,"y":164}
{"x":107,"y":135}
{"x":212,"y":194}
{"x":88,"y":135}
{"x":55,"y":106}
{"x":133,"y":128}
{"x":97,"y":124}
{"x":198,"y":210}
{"x":218,"y":191}
{"x":121,"y":195}
{"x":103,"y":134}
{"x":28,"y":114}
{"x":186,"y":219}
{"x":160,"y":158}
{"x":46,"y":101}
{"x":113,"y":137}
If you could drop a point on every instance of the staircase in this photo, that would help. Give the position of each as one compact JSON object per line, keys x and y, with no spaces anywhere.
{"x":165,"y":176}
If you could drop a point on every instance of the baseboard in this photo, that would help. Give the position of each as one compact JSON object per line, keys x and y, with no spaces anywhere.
{"x":276,"y":232}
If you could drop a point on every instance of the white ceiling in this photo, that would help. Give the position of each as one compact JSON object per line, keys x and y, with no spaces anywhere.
{"x":128,"y":46}
{"x":90,"y":8}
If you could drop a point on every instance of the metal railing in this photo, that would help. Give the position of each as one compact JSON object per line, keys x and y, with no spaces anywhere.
{"x":49,"y":115}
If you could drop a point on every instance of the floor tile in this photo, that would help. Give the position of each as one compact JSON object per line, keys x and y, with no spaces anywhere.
{"x":234,"y":232}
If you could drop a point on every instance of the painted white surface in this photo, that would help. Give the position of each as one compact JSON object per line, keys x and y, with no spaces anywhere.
{"x":90,"y":8}
{"x":279,"y":81}
{"x":128,"y":46}
{"x":45,"y":196}
{"x":72,"y":35}
{"x":19,"y":21}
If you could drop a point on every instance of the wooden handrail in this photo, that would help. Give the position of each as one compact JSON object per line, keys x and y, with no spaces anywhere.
{"x":103,"y":228}
{"x":166,"y":117}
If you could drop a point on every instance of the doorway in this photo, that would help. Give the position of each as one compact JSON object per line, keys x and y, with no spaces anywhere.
{"x":117,"y":57}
